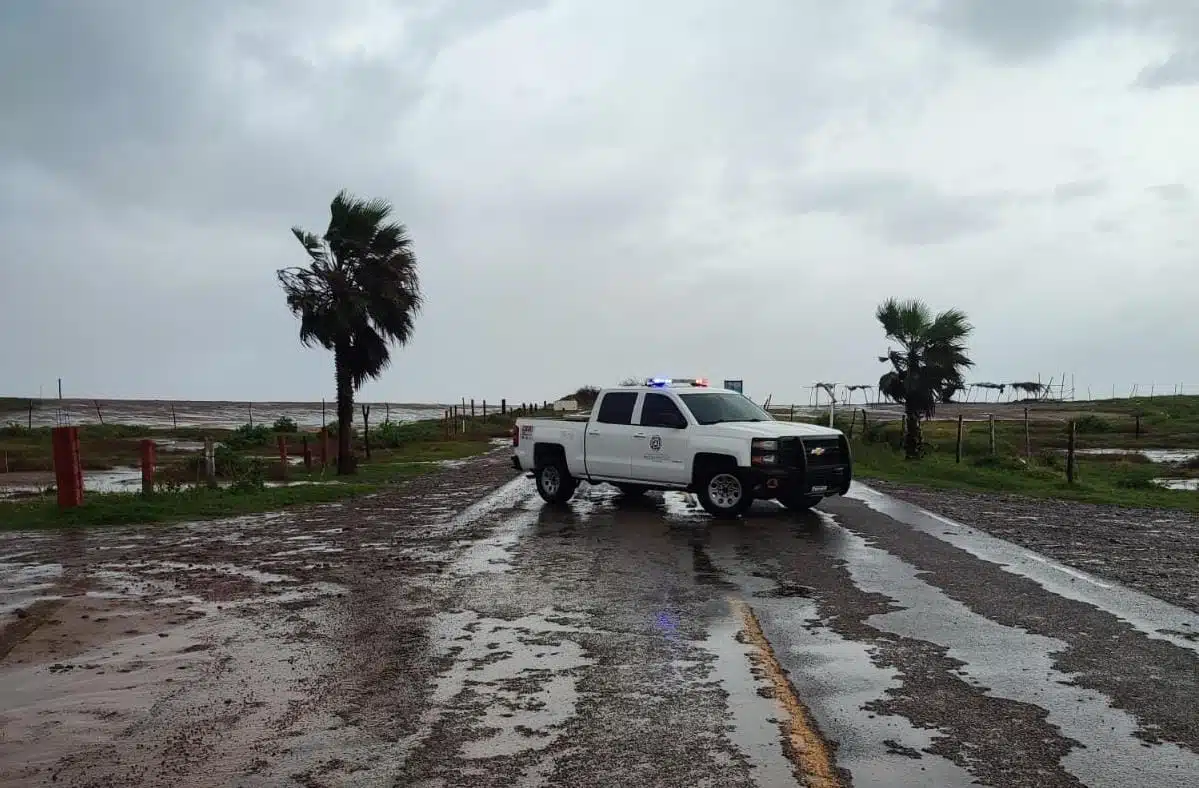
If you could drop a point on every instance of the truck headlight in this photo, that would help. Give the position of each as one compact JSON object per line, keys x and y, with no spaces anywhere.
{"x":765,"y":444}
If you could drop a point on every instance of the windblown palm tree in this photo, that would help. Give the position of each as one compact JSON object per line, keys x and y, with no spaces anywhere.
{"x":928,"y":367}
{"x":359,"y":293}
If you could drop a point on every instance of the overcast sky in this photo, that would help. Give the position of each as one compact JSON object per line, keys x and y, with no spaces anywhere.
{"x":599,"y":189}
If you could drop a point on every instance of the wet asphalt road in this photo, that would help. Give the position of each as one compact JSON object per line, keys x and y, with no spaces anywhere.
{"x":613,"y":642}
{"x":637,"y":642}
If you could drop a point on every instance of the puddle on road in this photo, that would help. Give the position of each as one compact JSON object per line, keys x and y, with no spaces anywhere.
{"x":1148,"y":615}
{"x":1015,"y":664}
{"x":754,"y":728}
{"x":835,"y":678}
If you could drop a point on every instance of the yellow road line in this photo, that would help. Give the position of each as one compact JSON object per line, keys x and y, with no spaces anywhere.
{"x":803,"y":744}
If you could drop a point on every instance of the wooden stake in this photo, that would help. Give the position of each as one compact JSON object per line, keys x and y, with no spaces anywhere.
{"x":959,"y":449}
{"x":99,"y":415}
{"x":991,"y":425}
{"x":366,"y":429}
{"x":1027,"y":437}
{"x":1070,"y":455}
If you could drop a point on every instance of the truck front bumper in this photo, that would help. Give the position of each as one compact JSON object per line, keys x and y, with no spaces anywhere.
{"x":825,"y":480}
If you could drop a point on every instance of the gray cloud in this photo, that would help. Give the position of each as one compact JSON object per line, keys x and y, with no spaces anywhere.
{"x":574,"y":174}
{"x":1181,"y":68}
{"x":1018,"y":29}
{"x":900,"y":209}
{"x":1075,"y":190}
{"x":1172,"y":192}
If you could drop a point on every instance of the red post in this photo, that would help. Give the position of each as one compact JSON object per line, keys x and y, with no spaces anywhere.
{"x":68,"y":471}
{"x":307,"y":455}
{"x":149,"y":455}
{"x":283,"y":454}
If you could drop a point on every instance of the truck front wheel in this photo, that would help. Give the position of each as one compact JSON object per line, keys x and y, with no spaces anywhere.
{"x":723,"y":493}
{"x":554,"y":482}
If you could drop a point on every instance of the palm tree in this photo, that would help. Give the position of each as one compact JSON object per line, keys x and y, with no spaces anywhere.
{"x":359,"y":292}
{"x":928,"y":366}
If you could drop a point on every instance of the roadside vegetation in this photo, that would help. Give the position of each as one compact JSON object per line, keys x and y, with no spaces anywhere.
{"x":358,"y":295}
{"x":1035,"y":465}
{"x":249,"y":473}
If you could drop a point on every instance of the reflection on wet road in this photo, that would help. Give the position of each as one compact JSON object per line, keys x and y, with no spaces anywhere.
{"x":612,"y":642}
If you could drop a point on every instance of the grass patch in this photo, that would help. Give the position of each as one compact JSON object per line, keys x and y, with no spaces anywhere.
{"x":1117,"y":483}
{"x":190,"y":504}
{"x":410,"y":449}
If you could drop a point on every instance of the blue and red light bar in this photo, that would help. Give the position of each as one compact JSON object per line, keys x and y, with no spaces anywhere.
{"x":662,"y":383}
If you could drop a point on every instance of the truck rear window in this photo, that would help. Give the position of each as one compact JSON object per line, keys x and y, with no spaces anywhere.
{"x":616,"y":407}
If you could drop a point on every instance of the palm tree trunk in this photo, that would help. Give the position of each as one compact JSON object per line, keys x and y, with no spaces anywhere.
{"x":912,"y":439}
{"x":345,"y":414}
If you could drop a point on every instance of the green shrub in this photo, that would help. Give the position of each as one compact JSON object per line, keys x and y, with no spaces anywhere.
{"x":285,"y":424}
{"x":249,"y":475}
{"x":246,"y":436}
{"x":1090,"y":423}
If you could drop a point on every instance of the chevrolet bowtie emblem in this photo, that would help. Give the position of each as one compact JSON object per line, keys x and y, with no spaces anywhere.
{"x":816,"y":452}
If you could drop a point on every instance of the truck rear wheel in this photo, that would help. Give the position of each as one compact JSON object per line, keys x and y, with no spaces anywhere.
{"x":554,"y":482}
{"x":799,"y":503}
{"x":723,"y":493}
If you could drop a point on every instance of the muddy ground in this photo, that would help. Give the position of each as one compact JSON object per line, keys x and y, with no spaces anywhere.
{"x":457,"y":632}
{"x":1152,"y":550}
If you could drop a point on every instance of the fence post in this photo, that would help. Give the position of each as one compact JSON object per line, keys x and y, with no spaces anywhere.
{"x":307,"y":455}
{"x":1138,"y":417}
{"x":174,"y":421}
{"x":282,"y":441}
{"x":472,"y":408}
{"x":68,"y":471}
{"x":991,"y":426}
{"x":792,"y":413}
{"x":99,"y":415}
{"x":864,"y":424}
{"x":959,"y":449}
{"x":209,"y":463}
{"x":503,"y":407}
{"x":366,"y":430}
{"x":30,"y":414}
{"x":250,"y":410}
{"x":386,"y":412}
{"x":1070,"y":455}
{"x":1027,"y":437}
{"x":484,"y":410}
{"x":149,"y":450}
{"x":323,"y":448}
{"x":852,"y":421}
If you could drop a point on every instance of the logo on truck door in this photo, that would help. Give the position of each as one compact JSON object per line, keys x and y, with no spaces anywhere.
{"x":655,"y":443}
{"x":526,"y":430}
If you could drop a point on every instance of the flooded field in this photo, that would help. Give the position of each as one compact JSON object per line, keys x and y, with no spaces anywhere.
{"x":189,"y":413}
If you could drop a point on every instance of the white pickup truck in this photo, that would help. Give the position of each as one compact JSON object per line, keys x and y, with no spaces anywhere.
{"x":668,"y":435}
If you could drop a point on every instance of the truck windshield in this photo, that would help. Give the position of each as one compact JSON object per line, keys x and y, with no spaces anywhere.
{"x":716,"y":408}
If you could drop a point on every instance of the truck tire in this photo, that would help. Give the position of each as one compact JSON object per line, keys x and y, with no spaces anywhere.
{"x":631,"y":490}
{"x":799,"y":503}
{"x":554,"y":482}
{"x":723,"y":492}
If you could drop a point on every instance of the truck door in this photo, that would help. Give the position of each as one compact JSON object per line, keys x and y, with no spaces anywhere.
{"x":661,"y":445}
{"x":609,"y":446}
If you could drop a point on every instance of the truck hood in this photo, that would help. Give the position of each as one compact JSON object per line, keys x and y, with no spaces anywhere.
{"x":769,"y":429}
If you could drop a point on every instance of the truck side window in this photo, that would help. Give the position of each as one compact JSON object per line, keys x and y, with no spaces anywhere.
{"x":617,"y":407}
{"x":659,"y":410}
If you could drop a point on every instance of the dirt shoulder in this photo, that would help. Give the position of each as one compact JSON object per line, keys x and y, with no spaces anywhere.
{"x":1155,"y":551}
{"x":243,"y":649}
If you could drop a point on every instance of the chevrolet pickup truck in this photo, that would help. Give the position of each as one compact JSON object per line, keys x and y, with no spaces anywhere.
{"x":667,"y":435}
